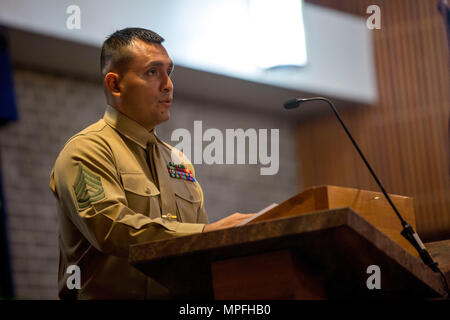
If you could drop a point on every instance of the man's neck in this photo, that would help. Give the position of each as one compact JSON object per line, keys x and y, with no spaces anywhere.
{"x":121,"y":110}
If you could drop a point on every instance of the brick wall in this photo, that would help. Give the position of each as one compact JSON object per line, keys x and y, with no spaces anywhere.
{"x":53,"y":108}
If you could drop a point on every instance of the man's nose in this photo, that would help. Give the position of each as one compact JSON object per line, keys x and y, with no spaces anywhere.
{"x":167,"y":84}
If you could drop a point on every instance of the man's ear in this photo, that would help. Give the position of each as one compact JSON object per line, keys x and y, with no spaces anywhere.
{"x":112,"y":84}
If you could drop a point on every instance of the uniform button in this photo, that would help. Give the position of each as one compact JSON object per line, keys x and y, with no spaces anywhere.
{"x":147,"y":190}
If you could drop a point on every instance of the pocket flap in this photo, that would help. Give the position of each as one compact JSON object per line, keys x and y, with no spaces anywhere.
{"x":138,"y":183}
{"x":188,"y":192}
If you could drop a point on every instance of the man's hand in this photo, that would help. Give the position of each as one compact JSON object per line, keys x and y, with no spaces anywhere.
{"x":227,"y":222}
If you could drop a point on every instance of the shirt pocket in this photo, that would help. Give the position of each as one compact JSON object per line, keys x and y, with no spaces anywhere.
{"x":188,"y":201}
{"x":142,"y":194}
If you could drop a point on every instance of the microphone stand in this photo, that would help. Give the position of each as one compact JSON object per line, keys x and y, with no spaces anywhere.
{"x":408,"y":231}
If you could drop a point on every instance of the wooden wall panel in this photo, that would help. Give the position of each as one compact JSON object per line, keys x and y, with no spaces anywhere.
{"x":405,"y":136}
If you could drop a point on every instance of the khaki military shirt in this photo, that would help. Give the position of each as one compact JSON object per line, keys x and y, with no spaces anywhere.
{"x":109,"y":198}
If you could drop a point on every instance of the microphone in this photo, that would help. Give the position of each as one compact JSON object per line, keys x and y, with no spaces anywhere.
{"x":408,"y":231}
{"x":294,"y":103}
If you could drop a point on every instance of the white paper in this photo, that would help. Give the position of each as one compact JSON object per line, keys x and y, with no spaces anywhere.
{"x":256,"y":215}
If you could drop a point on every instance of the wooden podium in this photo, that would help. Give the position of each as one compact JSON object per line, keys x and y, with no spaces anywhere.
{"x":318,"y":244}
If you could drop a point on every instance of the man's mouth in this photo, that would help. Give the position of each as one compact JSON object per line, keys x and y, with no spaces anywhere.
{"x":167,"y":102}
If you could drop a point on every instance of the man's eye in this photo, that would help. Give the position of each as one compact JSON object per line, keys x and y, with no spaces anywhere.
{"x":152,"y":71}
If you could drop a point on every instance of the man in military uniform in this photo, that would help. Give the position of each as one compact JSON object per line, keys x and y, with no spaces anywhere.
{"x":117,"y":183}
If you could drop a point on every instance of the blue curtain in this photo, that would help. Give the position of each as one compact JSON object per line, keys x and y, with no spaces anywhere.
{"x":444,"y":8}
{"x":8,"y":112}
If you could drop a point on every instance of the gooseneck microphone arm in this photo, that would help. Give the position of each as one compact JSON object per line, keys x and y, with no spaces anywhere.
{"x":407,"y":232}
{"x":290,"y":104}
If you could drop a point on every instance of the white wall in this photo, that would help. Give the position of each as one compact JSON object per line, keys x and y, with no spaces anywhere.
{"x":339,"y":46}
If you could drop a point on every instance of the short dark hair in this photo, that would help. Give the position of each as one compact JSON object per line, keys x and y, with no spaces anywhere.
{"x":112,"y":48}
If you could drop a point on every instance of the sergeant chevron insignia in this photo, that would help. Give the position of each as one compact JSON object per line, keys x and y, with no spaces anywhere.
{"x":88,"y":187}
{"x":178,"y":171}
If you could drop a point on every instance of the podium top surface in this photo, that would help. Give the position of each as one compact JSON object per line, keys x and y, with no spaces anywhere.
{"x":329,"y":238}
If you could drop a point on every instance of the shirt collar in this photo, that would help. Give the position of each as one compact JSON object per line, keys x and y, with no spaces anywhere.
{"x":128,"y":127}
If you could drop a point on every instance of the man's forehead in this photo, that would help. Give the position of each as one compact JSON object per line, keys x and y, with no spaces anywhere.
{"x":146,"y":53}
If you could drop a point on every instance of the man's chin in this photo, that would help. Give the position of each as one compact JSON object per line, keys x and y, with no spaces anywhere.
{"x":164,"y":116}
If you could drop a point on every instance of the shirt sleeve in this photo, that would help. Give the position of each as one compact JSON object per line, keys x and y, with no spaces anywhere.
{"x":87,"y":185}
